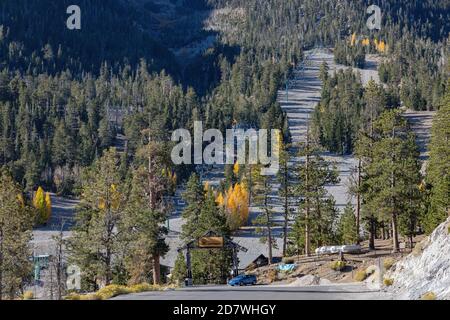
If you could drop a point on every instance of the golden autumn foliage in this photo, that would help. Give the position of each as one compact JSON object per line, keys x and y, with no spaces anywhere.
{"x":48,"y":206}
{"x":114,"y":290}
{"x":380,"y":46}
{"x":114,"y":202}
{"x":235,"y":203}
{"x":236,"y":169}
{"x":43,"y":204}
{"x":353,"y":40}
{"x":21,"y":200}
{"x":220,"y":200}
{"x":38,"y":200}
{"x":172,"y":176}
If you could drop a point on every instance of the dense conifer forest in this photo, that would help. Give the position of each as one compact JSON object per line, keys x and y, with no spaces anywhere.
{"x":89,"y":113}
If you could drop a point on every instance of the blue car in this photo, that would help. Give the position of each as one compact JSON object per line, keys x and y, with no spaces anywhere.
{"x":243,"y":280}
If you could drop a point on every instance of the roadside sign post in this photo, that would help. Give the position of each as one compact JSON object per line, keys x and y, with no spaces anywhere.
{"x":211,"y":240}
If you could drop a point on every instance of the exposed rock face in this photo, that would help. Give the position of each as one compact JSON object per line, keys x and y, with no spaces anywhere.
{"x":309,"y":280}
{"x":426,"y":269}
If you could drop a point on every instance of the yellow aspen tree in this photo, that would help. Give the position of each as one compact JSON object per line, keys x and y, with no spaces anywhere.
{"x":39,"y":205}
{"x":236,"y":169}
{"x":21,"y":200}
{"x":48,"y":206}
{"x":220,"y":200}
{"x":236,"y":199}
{"x":353,"y":40}
{"x":381,"y":47}
{"x":243,"y":205}
{"x":174,"y":178}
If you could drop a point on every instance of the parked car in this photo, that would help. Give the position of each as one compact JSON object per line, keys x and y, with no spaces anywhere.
{"x":243,"y":280}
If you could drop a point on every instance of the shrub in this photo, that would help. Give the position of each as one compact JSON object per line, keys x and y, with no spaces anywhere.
{"x":288,"y":260}
{"x":428,"y":296}
{"x":388,"y":263}
{"x":28,"y":295}
{"x":112,"y":291}
{"x":388,"y":282}
{"x":73,"y":296}
{"x":360,"y":275}
{"x":272,"y":275}
{"x":91,"y":296}
{"x":76,"y":296}
{"x":338,"y":265}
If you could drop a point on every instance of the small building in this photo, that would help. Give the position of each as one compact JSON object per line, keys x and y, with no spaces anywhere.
{"x":260,"y":261}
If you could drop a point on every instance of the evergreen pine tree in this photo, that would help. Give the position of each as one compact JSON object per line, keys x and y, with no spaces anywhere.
{"x":16,"y":222}
{"x":346,"y":231}
{"x":194,"y":197}
{"x":438,"y":171}
{"x":392,"y":172}
{"x":265,"y":220}
{"x":285,"y":192}
{"x":96,"y":245}
{"x":316,"y":213}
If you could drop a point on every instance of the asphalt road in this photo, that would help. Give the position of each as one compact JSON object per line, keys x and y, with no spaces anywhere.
{"x":323,"y":292}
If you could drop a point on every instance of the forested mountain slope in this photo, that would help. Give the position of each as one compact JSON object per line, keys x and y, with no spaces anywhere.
{"x":90,"y":112}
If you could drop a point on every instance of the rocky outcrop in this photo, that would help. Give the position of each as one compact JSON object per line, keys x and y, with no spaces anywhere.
{"x":426,"y":269}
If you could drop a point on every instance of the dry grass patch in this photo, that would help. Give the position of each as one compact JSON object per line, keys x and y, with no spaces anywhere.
{"x":388,"y":263}
{"x":360,"y":275}
{"x":388,"y":282}
{"x":28,"y":295}
{"x":338,"y":265}
{"x":114,"y":290}
{"x":428,"y":296}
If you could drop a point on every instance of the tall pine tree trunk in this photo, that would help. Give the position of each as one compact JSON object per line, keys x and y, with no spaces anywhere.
{"x":285,"y":229}
{"x":395,"y":242}
{"x":286,"y":210}
{"x":269,"y":236}
{"x":358,"y":203}
{"x":152,"y":203}
{"x":269,"y":228}
{"x":372,"y":233}
{"x":156,"y":270}
{"x":108,"y":271}
{"x":307,"y":200}
{"x":307,"y":234}
{"x":411,"y":241}
{"x":319,"y":225}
